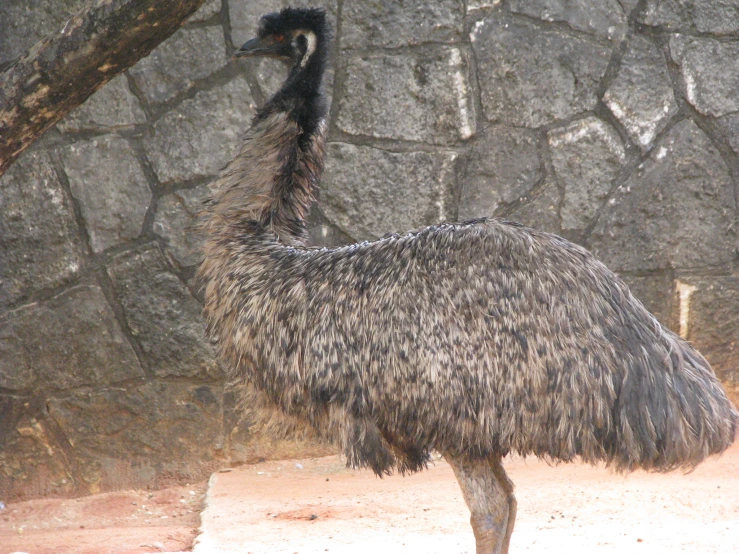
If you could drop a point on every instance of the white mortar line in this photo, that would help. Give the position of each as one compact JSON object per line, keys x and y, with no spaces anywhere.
{"x":460,"y":88}
{"x":684,"y":290}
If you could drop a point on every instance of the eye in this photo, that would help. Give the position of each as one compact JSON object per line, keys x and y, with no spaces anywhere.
{"x":279,"y":37}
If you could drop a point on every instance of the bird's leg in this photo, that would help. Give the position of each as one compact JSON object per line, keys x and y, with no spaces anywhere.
{"x":489,"y":495}
{"x":507,"y":485}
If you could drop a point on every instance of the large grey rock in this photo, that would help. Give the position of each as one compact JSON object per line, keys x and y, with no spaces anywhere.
{"x":208,"y":10}
{"x":110,"y":187}
{"x":657,"y":293}
{"x":270,"y":74}
{"x":39,"y":240}
{"x":32,"y":462}
{"x":111,"y":107}
{"x":539,"y":208}
{"x":392,"y":24}
{"x":503,"y":165}
{"x":162,"y":314}
{"x":605,"y":18}
{"x":474,"y":5}
{"x":23,"y":23}
{"x":531,"y":75}
{"x":244,"y":17}
{"x":641,"y":96}
{"x":322,"y":232}
{"x":730,"y":124}
{"x":176,"y":220}
{"x":677,"y":210}
{"x":710,"y":69}
{"x":419,"y":97}
{"x":173,"y":67}
{"x":245,"y":14}
{"x":713,"y":323}
{"x":629,"y":5}
{"x":705,"y":16}
{"x":16,"y":373}
{"x":198,"y":137}
{"x":71,"y":340}
{"x":370,"y":192}
{"x":586,"y":154}
{"x":160,"y":431}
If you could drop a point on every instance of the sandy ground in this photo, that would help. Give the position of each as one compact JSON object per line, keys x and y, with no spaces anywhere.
{"x":312,"y":506}
{"x":125,"y":522}
{"x":317,"y":505}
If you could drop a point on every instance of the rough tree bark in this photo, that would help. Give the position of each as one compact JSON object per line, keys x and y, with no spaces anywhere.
{"x":62,"y":70}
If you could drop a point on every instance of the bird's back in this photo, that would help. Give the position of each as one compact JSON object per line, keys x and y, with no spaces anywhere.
{"x":572,"y":364}
{"x":485,"y":337}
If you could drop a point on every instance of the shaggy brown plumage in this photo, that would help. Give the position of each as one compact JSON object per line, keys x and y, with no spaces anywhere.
{"x":474,"y":339}
{"x":479,"y":339}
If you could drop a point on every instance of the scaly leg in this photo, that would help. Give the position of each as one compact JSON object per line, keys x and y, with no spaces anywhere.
{"x":488,"y":492}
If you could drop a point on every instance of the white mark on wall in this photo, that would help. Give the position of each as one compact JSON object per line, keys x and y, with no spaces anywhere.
{"x":54,"y":195}
{"x":447,"y":169}
{"x":465,"y":122}
{"x":481,"y":4}
{"x":476,"y":30}
{"x":690,"y":91}
{"x":33,"y":429}
{"x":645,"y":128}
{"x":684,"y":291}
{"x":589,"y":127}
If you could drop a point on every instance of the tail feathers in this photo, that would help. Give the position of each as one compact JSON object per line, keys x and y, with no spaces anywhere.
{"x":674,"y":418}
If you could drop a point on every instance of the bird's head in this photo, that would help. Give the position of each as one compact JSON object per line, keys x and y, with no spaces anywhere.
{"x":293,"y":35}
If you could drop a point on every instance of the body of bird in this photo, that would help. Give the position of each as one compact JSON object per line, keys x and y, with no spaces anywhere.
{"x":474,"y":339}
{"x":469,"y":338}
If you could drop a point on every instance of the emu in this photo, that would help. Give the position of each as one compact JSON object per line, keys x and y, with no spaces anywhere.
{"x":475,"y":339}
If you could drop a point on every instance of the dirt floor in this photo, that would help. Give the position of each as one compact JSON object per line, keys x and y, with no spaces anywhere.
{"x":125,"y":522}
{"x":317,"y":505}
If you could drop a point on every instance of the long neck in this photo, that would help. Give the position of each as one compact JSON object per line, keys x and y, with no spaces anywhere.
{"x":270,"y":184}
{"x":302,"y":94}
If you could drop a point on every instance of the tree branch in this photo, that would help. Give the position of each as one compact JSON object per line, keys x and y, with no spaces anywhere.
{"x":62,"y":70}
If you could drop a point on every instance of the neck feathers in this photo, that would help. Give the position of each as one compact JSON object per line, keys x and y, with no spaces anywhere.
{"x":269,"y":186}
{"x":302,"y":95}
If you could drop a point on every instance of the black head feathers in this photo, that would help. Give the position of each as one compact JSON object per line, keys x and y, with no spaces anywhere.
{"x":298,"y":36}
{"x":295,"y":19}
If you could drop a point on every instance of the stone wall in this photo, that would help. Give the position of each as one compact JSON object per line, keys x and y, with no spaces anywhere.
{"x":614,"y":123}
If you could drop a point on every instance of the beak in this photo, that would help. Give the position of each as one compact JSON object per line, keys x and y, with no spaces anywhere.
{"x":256,"y":47}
